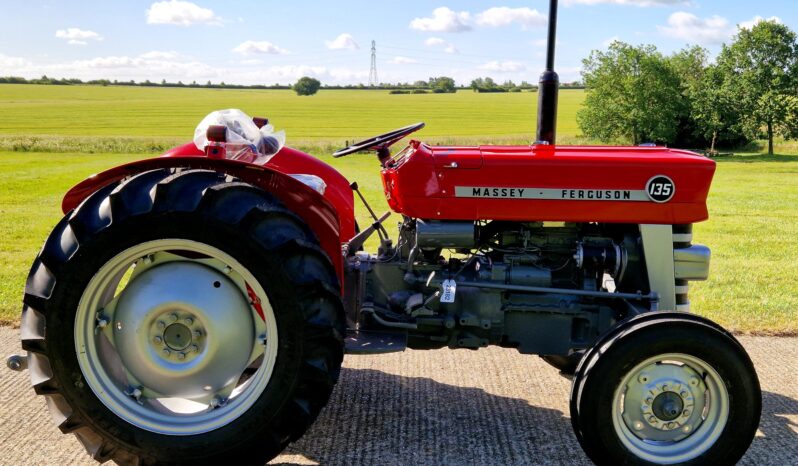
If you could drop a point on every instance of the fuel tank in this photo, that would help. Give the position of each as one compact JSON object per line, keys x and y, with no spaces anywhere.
{"x":549,"y":183}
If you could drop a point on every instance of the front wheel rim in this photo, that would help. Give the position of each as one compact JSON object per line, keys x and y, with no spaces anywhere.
{"x":670,"y":408}
{"x":176,"y":337}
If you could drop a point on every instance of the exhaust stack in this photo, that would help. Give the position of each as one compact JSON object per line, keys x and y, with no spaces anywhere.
{"x":549,"y":86}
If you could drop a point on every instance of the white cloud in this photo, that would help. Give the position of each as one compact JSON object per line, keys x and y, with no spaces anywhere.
{"x":403,"y":61}
{"x":9,"y":64}
{"x":642,"y":3}
{"x":758,"y":19}
{"x":159,"y":55}
{"x":691,"y":28}
{"x":180,"y":13}
{"x":448,"y":47}
{"x":503,"y":66}
{"x":77,"y":36}
{"x":344,"y":41}
{"x":252,"y":47}
{"x":443,"y":20}
{"x":504,"y":16}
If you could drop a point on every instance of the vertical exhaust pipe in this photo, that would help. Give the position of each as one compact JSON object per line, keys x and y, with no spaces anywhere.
{"x":549,"y":86}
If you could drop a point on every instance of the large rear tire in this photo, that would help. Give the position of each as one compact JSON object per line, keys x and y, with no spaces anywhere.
{"x":183,"y":317}
{"x":666,"y":388}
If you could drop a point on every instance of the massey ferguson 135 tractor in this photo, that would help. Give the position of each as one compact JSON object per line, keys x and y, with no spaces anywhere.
{"x":195,"y":308}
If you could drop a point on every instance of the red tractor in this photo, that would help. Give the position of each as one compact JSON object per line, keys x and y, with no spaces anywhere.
{"x":195,"y":308}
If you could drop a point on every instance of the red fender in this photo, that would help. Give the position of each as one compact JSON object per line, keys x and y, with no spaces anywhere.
{"x":292,"y":161}
{"x":331,"y":226}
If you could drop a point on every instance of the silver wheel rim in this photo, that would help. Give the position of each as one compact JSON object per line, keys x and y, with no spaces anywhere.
{"x":670,"y":408}
{"x":175,"y":337}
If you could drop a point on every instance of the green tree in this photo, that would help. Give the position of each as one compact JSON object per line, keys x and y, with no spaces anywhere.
{"x":761,"y":66}
{"x":483,"y":84}
{"x":713,"y":108}
{"x":307,"y":86}
{"x":630,"y":94}
{"x":442,"y":84}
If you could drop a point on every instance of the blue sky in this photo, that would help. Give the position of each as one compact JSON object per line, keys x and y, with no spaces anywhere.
{"x":277,"y":42}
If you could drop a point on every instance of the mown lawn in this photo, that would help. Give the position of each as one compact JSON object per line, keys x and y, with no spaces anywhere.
{"x":339,"y":115}
{"x":753,"y":231}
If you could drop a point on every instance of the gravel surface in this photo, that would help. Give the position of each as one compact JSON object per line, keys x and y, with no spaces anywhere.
{"x":486,"y":407}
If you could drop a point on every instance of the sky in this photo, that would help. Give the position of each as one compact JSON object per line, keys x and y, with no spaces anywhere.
{"x":267,"y":42}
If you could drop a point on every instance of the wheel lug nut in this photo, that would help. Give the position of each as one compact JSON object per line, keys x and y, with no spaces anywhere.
{"x":686,"y":429}
{"x":638,"y":425}
{"x":671,"y":425}
{"x":684,"y":394}
{"x":173,"y":317}
{"x":189,"y":320}
{"x":161,"y":325}
{"x":649,"y":401}
{"x":181,"y":356}
{"x":197,"y":333}
{"x":195,"y":348}
{"x":158,"y":340}
{"x":166,"y":352}
{"x":217,"y":401}
{"x":686,"y":412}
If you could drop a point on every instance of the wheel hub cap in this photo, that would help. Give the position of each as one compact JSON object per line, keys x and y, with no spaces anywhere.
{"x":183,"y":329}
{"x":667,"y":406}
{"x":177,"y":337}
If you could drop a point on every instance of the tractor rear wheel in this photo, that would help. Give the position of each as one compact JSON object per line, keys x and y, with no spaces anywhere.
{"x":183,"y":317}
{"x":666,"y":388}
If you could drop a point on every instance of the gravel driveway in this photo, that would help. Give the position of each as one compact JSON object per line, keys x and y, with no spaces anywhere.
{"x":486,"y":407}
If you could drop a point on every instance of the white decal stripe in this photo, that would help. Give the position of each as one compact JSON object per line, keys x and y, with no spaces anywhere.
{"x":560,"y":194}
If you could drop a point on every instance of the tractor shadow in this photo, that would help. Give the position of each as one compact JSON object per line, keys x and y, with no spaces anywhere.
{"x":777,"y":440}
{"x":379,"y":418}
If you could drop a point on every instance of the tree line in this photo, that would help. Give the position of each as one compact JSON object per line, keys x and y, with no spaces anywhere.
{"x":749,"y":92}
{"x":432,"y":85}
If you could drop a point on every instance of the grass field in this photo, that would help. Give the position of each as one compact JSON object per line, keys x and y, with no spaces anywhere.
{"x":753,"y":231}
{"x":329,"y":115}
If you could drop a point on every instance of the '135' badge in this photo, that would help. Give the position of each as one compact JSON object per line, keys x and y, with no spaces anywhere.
{"x":660,"y":189}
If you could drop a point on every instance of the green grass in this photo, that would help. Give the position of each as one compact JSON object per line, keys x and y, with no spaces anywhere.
{"x":53,"y":137}
{"x":339,"y":115}
{"x":753,"y":234}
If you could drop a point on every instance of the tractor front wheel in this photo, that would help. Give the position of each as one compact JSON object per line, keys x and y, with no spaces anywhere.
{"x":666,"y":388}
{"x":181,"y":316}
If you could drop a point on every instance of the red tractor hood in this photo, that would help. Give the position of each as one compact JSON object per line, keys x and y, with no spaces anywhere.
{"x":550,"y":183}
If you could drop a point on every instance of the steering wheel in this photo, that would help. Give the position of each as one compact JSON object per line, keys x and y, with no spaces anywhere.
{"x":380,"y":143}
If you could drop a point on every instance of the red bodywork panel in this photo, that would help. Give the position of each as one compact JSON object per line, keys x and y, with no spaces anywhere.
{"x":330,"y":216}
{"x":547,"y":183}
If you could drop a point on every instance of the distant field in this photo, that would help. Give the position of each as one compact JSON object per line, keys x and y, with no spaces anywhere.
{"x":170,"y":112}
{"x":753,"y":231}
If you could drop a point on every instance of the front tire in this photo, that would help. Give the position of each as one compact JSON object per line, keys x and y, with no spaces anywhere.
{"x":181,"y":316}
{"x":666,"y":388}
